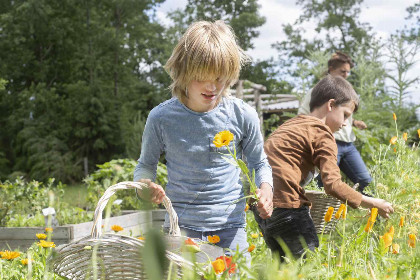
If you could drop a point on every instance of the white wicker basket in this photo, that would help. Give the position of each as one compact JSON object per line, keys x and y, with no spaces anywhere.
{"x":117,"y":256}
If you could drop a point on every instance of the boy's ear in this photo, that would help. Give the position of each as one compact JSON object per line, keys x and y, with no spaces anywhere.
{"x":330,"y":104}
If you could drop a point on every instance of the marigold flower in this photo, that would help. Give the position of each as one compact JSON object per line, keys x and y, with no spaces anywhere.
{"x":373,"y":214}
{"x":394,"y":116}
{"x":251,"y":248}
{"x":261,"y":233}
{"x":46,"y":244}
{"x":41,"y":236}
{"x":391,"y":231}
{"x":189,"y":241}
{"x":218,"y":266}
{"x":223,"y":138}
{"x":117,"y":228}
{"x":395,"y":248}
{"x":405,"y":136}
{"x":329,"y":214}
{"x":141,"y":238}
{"x":246,"y":207}
{"x":401,"y":224}
{"x":393,"y":140}
{"x":369,"y":225}
{"x":48,"y":229}
{"x":228,"y":263}
{"x":191,"y":246}
{"x":418,"y":132}
{"x":213,"y":239}
{"x":25,"y":261}
{"x":254,"y":235}
{"x":412,"y":240}
{"x":387,"y":238}
{"x":340,"y":211}
{"x":9,"y":255}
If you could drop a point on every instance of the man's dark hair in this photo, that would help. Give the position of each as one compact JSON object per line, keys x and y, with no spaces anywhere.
{"x":338,"y":58}
{"x":333,"y":87}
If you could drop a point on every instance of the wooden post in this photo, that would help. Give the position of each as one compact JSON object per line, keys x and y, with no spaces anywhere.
{"x":257,"y":102}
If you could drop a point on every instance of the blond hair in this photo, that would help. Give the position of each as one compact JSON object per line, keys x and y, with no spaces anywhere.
{"x":206,"y":51}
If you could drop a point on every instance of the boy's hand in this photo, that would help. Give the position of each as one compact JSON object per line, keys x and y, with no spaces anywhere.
{"x":384,"y":207}
{"x":359,"y":124}
{"x":265,"y":200}
{"x":153,"y":192}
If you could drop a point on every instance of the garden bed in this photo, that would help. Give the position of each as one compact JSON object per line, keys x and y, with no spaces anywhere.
{"x":134,"y":223}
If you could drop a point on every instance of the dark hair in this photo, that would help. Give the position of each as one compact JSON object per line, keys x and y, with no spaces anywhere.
{"x":338,"y":58}
{"x":333,"y":87}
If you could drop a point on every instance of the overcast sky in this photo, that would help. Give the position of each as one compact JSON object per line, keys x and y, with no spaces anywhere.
{"x":385,"y":17}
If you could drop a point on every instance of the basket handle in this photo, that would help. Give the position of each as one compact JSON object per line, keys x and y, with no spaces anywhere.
{"x":97,"y":219}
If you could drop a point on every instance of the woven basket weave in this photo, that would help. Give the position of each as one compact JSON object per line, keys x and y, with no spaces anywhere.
{"x":117,"y":256}
{"x":320,"y":203}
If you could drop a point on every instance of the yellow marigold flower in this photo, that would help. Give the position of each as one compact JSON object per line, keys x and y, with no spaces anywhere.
{"x":340,"y":211}
{"x":387,"y":238}
{"x":395,"y":248}
{"x":41,"y":236}
{"x":405,"y":136}
{"x":412,"y":240}
{"x":9,"y":255}
{"x":25,"y":261}
{"x":246,"y":207}
{"x":251,"y":248}
{"x":218,"y":266}
{"x":418,"y":132}
{"x":223,"y":138}
{"x":48,"y":229}
{"x":254,"y":235}
{"x":46,"y":244}
{"x":325,"y":264}
{"x":401,"y":221}
{"x":141,"y":238}
{"x":213,"y":239}
{"x":329,"y":214}
{"x":394,"y":116}
{"x":373,"y":214}
{"x":117,"y":228}
{"x":261,"y":233}
{"x":393,"y":140}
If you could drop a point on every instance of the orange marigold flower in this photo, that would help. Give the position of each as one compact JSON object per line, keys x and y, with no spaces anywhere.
{"x":48,"y":229}
{"x":369,"y":225}
{"x":9,"y":255}
{"x":213,"y":239}
{"x":41,"y":236}
{"x":251,"y":248}
{"x":218,"y":266}
{"x":329,"y":214}
{"x":395,"y":248}
{"x":189,"y":241}
{"x":394,"y":116}
{"x":418,"y":132}
{"x":405,"y":136}
{"x":401,"y":224}
{"x":231,"y":266}
{"x":391,"y":231}
{"x":223,"y":138}
{"x":117,"y":228}
{"x":412,"y":240}
{"x":246,"y":207}
{"x":340,"y":211}
{"x":46,"y":244}
{"x":393,"y":140}
{"x":387,"y":239}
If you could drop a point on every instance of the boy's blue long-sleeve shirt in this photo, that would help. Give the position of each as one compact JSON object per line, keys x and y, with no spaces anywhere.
{"x":201,"y":184}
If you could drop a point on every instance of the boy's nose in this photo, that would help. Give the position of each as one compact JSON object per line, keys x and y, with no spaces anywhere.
{"x":210,"y":86}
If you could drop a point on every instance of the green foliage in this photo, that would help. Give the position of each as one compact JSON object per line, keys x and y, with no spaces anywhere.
{"x":113,"y":172}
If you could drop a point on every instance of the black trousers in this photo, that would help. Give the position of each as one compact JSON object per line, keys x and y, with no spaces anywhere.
{"x":292,"y":226}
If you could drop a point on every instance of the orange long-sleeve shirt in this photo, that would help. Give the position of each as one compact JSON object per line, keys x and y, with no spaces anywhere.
{"x":294,"y":150}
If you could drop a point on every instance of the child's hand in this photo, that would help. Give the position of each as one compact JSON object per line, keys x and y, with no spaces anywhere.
{"x":265,"y":200}
{"x":384,"y":207}
{"x":153,"y":192}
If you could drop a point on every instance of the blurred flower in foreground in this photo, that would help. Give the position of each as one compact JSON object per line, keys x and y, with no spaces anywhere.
{"x":394,"y":116}
{"x":412,"y":240}
{"x":401,"y":224}
{"x":251,"y":248}
{"x":246,"y":207}
{"x":41,"y":236}
{"x":393,"y":140}
{"x":395,"y":248}
{"x":329,"y":214}
{"x":405,"y":136}
{"x":387,"y":239}
{"x":231,"y":266}
{"x":48,"y":229}
{"x":117,"y":228}
{"x":218,"y":266}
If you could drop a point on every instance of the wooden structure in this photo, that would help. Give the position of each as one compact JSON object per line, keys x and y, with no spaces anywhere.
{"x":254,"y":95}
